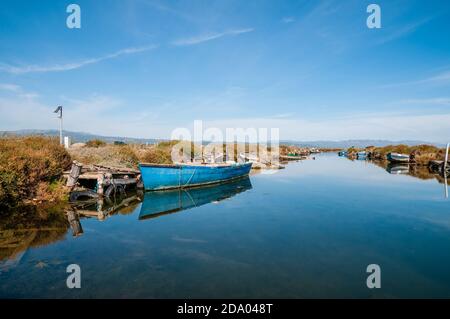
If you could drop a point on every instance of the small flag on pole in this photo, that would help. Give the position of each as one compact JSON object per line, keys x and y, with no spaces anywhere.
{"x":59,"y":109}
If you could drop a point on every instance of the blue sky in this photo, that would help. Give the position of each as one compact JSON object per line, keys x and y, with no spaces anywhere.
{"x":313,"y":69}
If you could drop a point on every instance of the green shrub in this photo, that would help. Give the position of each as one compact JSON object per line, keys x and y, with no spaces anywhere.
{"x":95,"y":143}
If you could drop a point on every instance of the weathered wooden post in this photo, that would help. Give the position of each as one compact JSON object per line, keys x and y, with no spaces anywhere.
{"x":100,"y":184}
{"x":75,"y":172}
{"x":100,"y":213}
{"x":74,"y":222}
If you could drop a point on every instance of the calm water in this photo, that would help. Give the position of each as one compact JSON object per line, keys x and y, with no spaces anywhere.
{"x":307,"y":231}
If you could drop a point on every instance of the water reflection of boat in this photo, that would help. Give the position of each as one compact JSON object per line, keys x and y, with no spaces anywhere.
{"x":398,"y":168}
{"x":166,"y":202}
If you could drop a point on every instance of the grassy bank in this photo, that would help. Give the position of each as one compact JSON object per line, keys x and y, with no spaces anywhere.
{"x":30,"y":169}
{"x":423,"y":153}
{"x":122,"y":155}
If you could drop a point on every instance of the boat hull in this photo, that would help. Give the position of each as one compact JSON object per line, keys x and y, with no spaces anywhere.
{"x":397,"y":158}
{"x":161,"y":177}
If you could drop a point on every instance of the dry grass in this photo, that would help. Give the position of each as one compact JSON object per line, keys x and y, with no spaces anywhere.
{"x":30,"y":167}
{"x":423,"y":153}
{"x":95,"y":143}
{"x":109,"y":155}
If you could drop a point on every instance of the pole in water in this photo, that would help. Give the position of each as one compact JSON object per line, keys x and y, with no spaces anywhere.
{"x":445,"y":185}
{"x":446,"y":157}
{"x":445,"y":170}
{"x":60,"y":116}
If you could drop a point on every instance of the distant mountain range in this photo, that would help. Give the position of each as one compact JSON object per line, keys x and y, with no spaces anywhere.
{"x":356,"y":143}
{"x":84,"y":137}
{"x":81,"y":136}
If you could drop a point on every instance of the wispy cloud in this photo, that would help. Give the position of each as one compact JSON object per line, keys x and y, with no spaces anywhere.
{"x":429,"y":101}
{"x":210,"y":36}
{"x":398,"y":126}
{"x":73,"y":65}
{"x":288,"y":20}
{"x":17,"y":91}
{"x":440,"y":78}
{"x":167,"y":9}
{"x":403,"y":31}
{"x":9,"y":87}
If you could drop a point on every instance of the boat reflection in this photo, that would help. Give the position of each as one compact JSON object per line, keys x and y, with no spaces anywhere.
{"x":161,"y":203}
{"x":395,"y":168}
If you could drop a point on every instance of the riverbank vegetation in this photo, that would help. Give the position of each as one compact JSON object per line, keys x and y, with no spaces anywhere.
{"x":423,"y":154}
{"x":31,"y":169}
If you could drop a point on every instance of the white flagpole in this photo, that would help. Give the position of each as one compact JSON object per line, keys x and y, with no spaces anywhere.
{"x":61,"y":127}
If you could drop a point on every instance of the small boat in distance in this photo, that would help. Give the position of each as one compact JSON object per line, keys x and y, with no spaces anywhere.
{"x":362,"y":155}
{"x":398,"y":158}
{"x":293,"y":157}
{"x":342,"y":153}
{"x":171,"y":176}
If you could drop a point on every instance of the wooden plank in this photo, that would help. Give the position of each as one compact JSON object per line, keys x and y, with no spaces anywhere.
{"x":124,"y":181}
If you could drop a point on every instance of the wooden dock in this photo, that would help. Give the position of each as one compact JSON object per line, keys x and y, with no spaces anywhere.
{"x":94,"y":181}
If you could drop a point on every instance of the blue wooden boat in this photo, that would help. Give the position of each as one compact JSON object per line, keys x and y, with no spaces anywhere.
{"x":161,"y":177}
{"x":398,"y":158}
{"x":342,"y":153}
{"x":161,"y":203}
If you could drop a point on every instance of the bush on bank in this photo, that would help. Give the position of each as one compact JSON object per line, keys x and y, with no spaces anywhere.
{"x":31,"y":168}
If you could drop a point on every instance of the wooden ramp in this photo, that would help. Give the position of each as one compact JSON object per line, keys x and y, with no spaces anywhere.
{"x":92,"y":181}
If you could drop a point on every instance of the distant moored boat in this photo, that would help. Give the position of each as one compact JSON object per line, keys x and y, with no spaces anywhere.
{"x":161,"y":177}
{"x":399,"y":158}
{"x":362,"y":155}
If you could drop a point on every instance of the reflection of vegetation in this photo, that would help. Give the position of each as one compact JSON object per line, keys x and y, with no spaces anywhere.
{"x":416,"y":171}
{"x":31,"y":226}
